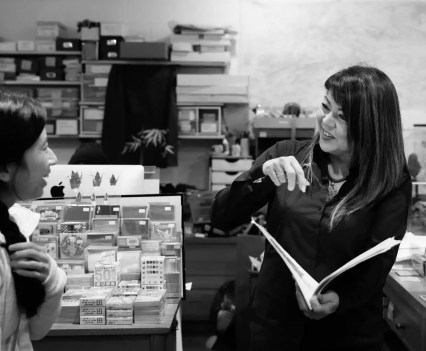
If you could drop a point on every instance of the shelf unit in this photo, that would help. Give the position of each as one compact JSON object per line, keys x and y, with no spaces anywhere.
{"x":61,"y":104}
{"x":90,"y":106}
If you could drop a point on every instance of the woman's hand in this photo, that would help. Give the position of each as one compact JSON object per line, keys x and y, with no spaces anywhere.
{"x":285,"y":169}
{"x":322,"y":304}
{"x":29,"y":260}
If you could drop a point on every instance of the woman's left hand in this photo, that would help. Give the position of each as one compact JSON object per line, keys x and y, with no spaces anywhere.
{"x":322,"y":304}
{"x":29,"y":260}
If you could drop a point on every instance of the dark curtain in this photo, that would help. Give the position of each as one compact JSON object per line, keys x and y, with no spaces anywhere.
{"x":140,"y":121}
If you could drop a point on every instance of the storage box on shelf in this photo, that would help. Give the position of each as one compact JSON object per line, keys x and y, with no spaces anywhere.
{"x":53,"y":77}
{"x":224,"y":169}
{"x":268,"y":130}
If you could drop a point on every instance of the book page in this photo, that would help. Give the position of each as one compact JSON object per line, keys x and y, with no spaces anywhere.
{"x":308,"y":285}
{"x":380,"y":248}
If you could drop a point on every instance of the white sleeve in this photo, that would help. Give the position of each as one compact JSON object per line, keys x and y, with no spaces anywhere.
{"x":48,"y":312}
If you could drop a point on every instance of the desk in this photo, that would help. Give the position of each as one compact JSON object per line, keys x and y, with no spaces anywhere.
{"x":76,"y":337}
{"x":406,"y":312}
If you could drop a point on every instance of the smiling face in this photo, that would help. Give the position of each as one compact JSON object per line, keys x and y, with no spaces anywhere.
{"x":27,"y":180}
{"x":333,"y":130}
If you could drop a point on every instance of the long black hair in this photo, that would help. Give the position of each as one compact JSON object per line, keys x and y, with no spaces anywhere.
{"x":370,"y":106}
{"x":22,"y":120}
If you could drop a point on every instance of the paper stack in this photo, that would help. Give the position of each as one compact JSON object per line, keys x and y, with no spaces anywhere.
{"x":119,"y":310}
{"x":149,"y":307}
{"x":96,"y":299}
{"x":212,"y":88}
{"x":70,"y":312}
{"x":200,"y":44}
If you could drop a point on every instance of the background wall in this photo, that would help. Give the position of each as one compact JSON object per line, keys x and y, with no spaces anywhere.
{"x":287,"y":47}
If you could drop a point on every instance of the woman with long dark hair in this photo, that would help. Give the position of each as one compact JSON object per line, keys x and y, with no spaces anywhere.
{"x":31,"y":284}
{"x":329,"y":200}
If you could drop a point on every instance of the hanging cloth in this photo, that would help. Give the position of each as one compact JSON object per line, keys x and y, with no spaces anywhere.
{"x":140,"y":120}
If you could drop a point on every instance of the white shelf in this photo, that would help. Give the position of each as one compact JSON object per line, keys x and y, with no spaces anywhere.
{"x":40,"y":53}
{"x":153,"y":62}
{"x":40,"y":82}
{"x":201,"y":137}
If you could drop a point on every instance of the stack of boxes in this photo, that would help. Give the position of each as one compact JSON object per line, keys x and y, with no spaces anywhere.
{"x":93,"y":305}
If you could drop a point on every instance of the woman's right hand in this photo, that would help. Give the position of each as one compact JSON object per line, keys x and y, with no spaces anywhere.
{"x":285,"y":169}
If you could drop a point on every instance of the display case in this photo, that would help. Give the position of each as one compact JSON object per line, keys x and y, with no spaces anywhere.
{"x":123,"y":255}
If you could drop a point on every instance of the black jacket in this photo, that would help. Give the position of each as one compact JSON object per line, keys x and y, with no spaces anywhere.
{"x":299,"y":222}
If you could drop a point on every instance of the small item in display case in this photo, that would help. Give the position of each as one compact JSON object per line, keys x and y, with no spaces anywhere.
{"x":96,"y":254}
{"x":106,"y":274}
{"x":77,"y":213}
{"x":105,"y":224}
{"x":170,"y":248}
{"x":150,"y":247}
{"x":129,"y":242}
{"x":135,"y":226}
{"x":172,"y":264}
{"x":79,"y":281}
{"x":120,"y":303}
{"x":101,"y":238}
{"x":107,"y":211}
{"x":73,"y":227}
{"x":92,"y":320}
{"x":120,"y":320}
{"x":125,"y":284}
{"x":92,"y":311}
{"x":72,"y":266}
{"x":418,"y":262}
{"x":129,"y":261}
{"x":161,"y":212}
{"x":152,"y":270}
{"x":164,"y":231}
{"x":134,"y":211}
{"x":172,"y":277}
{"x":49,"y":242}
{"x":95,"y":297}
{"x":50,"y":213}
{"x":47,"y":228}
{"x":72,"y":245}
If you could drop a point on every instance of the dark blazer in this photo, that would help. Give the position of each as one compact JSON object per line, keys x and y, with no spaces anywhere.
{"x":299,"y":222}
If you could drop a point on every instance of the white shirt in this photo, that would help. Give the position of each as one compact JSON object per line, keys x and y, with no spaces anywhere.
{"x":16,"y":330}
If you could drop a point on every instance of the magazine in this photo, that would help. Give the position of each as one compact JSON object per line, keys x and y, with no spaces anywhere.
{"x":308,"y":285}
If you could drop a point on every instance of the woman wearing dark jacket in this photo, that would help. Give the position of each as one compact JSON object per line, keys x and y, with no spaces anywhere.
{"x":328,"y":200}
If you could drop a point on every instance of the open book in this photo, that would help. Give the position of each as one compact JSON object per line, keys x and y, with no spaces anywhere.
{"x":308,"y":285}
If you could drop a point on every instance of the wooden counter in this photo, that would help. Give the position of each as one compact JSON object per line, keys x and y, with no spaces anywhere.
{"x":406,"y":311}
{"x":76,"y":337}
{"x":209,"y":262}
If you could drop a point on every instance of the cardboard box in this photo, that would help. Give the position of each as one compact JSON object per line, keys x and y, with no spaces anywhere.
{"x":50,"y":29}
{"x":89,"y":33}
{"x":27,"y":65}
{"x":109,"y":47}
{"x":89,"y":50}
{"x":68,"y":44}
{"x":26,"y":45}
{"x":52,"y":74}
{"x":145,"y":50}
{"x":46,"y":45}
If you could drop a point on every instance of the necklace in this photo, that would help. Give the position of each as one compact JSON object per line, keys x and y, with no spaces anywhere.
{"x":334,"y":186}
